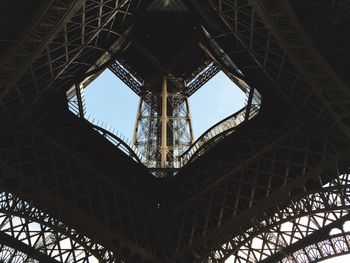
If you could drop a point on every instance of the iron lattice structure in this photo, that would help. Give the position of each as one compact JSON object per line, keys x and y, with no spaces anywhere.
{"x":31,"y":235}
{"x":149,"y":130}
{"x":275,"y":188}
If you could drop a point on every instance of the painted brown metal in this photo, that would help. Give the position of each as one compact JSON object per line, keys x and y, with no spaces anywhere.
{"x":288,"y":164}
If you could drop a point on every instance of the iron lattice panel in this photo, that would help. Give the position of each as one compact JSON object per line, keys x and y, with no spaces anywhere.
{"x":268,"y":169}
{"x":35,"y":228}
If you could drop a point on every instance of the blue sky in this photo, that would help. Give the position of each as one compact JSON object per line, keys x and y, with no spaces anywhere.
{"x":109,"y":100}
{"x":217,"y":99}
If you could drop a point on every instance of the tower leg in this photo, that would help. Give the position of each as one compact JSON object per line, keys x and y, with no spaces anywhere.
{"x":164,"y":118}
{"x":189,"y":120}
{"x":137,"y":122}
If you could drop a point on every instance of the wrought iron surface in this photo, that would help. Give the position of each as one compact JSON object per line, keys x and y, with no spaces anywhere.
{"x":47,"y":235}
{"x":289,"y":164}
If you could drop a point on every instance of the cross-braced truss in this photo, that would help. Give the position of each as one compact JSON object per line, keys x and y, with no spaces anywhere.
{"x":273,"y":190}
{"x":11,"y":255}
{"x":69,"y":31}
{"x":148,"y":131}
{"x":283,"y":235}
{"x":43,"y":238}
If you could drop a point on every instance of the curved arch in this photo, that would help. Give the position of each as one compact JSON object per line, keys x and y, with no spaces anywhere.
{"x":119,"y":143}
{"x":12,"y":255}
{"x":324,"y":209}
{"x":37,"y":229}
{"x":223,"y":128}
{"x":212,"y":136}
{"x":337,"y":245}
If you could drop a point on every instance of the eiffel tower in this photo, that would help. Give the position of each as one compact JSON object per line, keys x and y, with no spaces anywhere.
{"x":267,"y":184}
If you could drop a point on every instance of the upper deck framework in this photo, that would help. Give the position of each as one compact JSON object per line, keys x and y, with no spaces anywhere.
{"x":289,"y":164}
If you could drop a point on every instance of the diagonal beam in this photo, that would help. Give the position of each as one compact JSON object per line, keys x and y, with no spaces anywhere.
{"x":127,"y":77}
{"x":251,"y":215}
{"x":201,"y":79}
{"x":71,"y":9}
{"x":26,"y":249}
{"x":225,"y":176}
{"x":82,"y":47}
{"x":317,"y":236}
{"x":295,"y":50}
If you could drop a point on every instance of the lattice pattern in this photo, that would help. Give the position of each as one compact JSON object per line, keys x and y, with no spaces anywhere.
{"x":80,"y":32}
{"x":266,"y":59}
{"x":11,"y":255}
{"x":145,"y":139}
{"x":276,"y":234}
{"x":49,"y":164}
{"x":225,"y":204}
{"x":37,"y":229}
{"x":233,"y":201}
{"x":148,"y":130}
{"x":336,"y":245}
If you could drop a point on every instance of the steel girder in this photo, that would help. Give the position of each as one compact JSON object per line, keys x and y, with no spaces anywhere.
{"x":259,"y":65}
{"x":236,"y":215}
{"x":323,"y":81}
{"x":289,"y":150}
{"x":202,"y":78}
{"x":72,"y":36}
{"x":288,"y":229}
{"x":192,"y":85}
{"x":333,"y":246}
{"x":257,"y":173}
{"x":270,"y":52}
{"x":134,"y":84}
{"x":51,"y":167}
{"x":319,"y":243}
{"x":13,"y":250}
{"x":232,"y":189}
{"x":9,"y":255}
{"x":147,"y":136}
{"x":43,"y":237}
{"x":258,"y":53}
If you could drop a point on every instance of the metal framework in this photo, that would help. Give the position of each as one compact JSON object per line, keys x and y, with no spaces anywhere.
{"x":9,"y":254}
{"x":163,"y":129}
{"x":41,"y":237}
{"x":123,"y":74}
{"x":76,"y":104}
{"x":290,"y":233}
{"x":203,"y":77}
{"x":223,"y":128}
{"x":276,"y":189}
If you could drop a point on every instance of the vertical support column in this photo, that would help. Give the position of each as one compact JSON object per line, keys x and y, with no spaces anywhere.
{"x":249,"y":103}
{"x":137,"y":122}
{"x":164,"y":118}
{"x":189,"y":120}
{"x":163,"y":128}
{"x":80,"y":101}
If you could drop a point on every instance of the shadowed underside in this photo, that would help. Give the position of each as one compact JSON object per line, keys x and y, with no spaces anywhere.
{"x":288,"y":164}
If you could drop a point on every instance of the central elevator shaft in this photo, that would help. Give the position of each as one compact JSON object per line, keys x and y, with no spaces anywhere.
{"x":163,"y":128}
